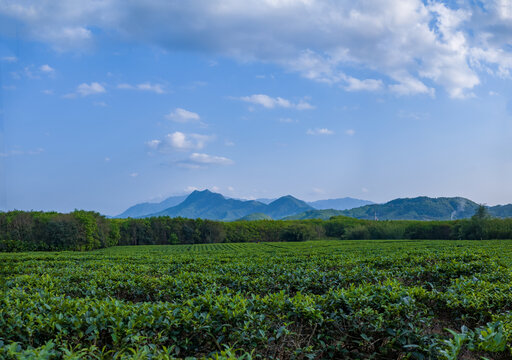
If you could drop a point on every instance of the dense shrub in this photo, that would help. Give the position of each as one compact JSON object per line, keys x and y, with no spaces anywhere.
{"x":85,"y":230}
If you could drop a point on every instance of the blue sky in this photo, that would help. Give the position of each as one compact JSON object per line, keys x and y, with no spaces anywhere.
{"x":109,"y":103}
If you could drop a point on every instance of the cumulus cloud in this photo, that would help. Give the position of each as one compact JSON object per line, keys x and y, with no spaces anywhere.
{"x":354,"y":84}
{"x":271,"y":102}
{"x":182,"y":116}
{"x":429,"y":44}
{"x":179,"y":141}
{"x":320,"y":131}
{"x":90,"y":89}
{"x":46,"y":69}
{"x":147,"y":86}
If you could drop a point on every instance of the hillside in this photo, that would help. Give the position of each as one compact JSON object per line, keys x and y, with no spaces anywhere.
{"x":208,"y":205}
{"x":315,"y":214}
{"x":419,"y":208}
{"x":255,"y":217}
{"x":501,"y":211}
{"x":146,"y":208}
{"x":339,"y":204}
{"x":286,"y":206}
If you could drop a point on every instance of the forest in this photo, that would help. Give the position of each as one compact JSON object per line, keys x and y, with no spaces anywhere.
{"x":85,"y":230}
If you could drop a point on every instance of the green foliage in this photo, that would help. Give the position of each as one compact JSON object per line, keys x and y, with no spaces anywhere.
{"x":50,"y":231}
{"x":82,"y":230}
{"x":381,"y":299}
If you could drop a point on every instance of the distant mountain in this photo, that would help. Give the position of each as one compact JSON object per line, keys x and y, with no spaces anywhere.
{"x":419,"y":208}
{"x":501,"y":211}
{"x":255,"y":216}
{"x":339,"y":204}
{"x":286,"y":206}
{"x":265,"y":200}
{"x":208,"y":205}
{"x":315,"y":214}
{"x":147,"y":208}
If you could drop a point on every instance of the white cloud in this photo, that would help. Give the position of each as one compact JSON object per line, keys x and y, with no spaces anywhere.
{"x":354,"y":84}
{"x":147,"y":86}
{"x":18,"y":152}
{"x":153,"y":144}
{"x":408,"y":85}
{"x":431,"y":44}
{"x":320,"y":131}
{"x":10,"y":59}
{"x":270,"y":102}
{"x":46,"y":69}
{"x":156,"y":88}
{"x":134,"y":174}
{"x":90,"y":89}
{"x":205,"y":159}
{"x":179,"y":141}
{"x":182,"y":116}
{"x":350,"y":132}
{"x":47,"y":92}
{"x":287,"y":120}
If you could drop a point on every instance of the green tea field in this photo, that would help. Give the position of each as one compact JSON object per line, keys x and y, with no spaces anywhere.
{"x":326,"y":299}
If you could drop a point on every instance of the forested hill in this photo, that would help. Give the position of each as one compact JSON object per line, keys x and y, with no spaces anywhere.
{"x":208,"y":205}
{"x":419,"y":208}
{"x":146,"y":208}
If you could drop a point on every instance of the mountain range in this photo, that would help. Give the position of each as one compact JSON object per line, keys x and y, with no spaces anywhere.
{"x":209,"y":205}
{"x":418,"y":208}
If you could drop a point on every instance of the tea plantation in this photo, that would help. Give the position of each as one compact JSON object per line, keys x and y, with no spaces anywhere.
{"x":329,"y":299}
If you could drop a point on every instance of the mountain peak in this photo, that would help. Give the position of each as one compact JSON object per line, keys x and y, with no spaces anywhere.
{"x":204,"y":194}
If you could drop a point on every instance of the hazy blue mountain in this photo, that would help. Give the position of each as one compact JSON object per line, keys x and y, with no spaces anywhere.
{"x":339,"y":204}
{"x":419,"y":208}
{"x":208,"y":205}
{"x":286,"y":206}
{"x":147,"y":208}
{"x":501,"y":211}
{"x":315,"y":214}
{"x":265,"y":200}
{"x":255,"y":216}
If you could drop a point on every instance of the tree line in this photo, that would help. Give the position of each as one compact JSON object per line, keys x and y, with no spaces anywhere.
{"x":85,"y":230}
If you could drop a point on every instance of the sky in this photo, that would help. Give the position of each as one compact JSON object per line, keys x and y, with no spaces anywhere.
{"x":104,"y":104}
